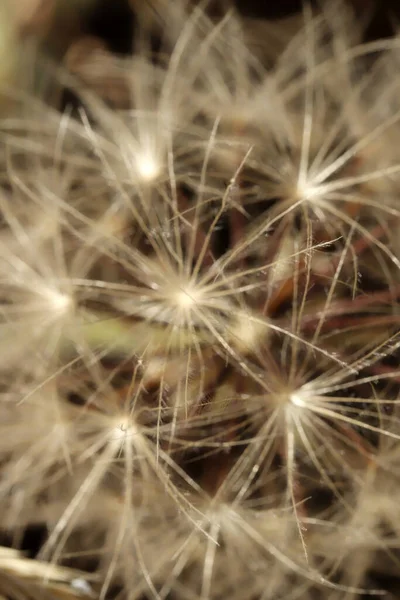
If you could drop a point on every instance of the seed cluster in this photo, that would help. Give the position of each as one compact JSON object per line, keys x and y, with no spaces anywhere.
{"x":199,"y":316}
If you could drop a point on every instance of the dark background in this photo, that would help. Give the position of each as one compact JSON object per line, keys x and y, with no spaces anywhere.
{"x":112,"y":20}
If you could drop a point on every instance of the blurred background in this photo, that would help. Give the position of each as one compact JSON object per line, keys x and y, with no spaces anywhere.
{"x":60,"y":23}
{"x":72,"y":32}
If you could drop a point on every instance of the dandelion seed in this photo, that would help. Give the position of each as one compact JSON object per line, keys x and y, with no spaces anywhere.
{"x":147,"y":167}
{"x":199,"y":330}
{"x":297,"y":400}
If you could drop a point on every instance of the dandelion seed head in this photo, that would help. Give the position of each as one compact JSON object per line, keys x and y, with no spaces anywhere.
{"x":122,"y":428}
{"x":297,"y":400}
{"x":187,"y":297}
{"x":60,"y":303}
{"x":176,"y":286}
{"x":147,"y":166}
{"x":307,"y":190}
{"x":177,"y":298}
